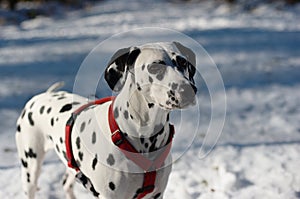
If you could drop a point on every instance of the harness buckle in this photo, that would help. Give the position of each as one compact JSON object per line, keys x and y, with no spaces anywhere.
{"x":116,"y":131}
{"x":117,"y":137}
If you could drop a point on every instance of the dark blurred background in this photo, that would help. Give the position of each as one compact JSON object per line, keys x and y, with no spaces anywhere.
{"x":29,"y":9}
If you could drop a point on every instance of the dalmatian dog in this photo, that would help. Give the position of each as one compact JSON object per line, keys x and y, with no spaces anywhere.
{"x":151,"y":80}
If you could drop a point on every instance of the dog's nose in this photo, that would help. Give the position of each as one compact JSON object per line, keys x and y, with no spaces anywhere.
{"x":188,"y":93}
{"x":188,"y":89}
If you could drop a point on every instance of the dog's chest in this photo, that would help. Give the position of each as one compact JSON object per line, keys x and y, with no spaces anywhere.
{"x":91,"y":140}
{"x":111,"y":173}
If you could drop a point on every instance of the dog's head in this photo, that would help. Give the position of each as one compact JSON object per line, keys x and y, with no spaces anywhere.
{"x":163,"y":73}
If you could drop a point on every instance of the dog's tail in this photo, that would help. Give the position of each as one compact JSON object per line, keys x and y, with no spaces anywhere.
{"x":55,"y":86}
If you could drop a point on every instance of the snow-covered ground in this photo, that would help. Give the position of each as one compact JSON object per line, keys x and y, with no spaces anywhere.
{"x":257,"y":51}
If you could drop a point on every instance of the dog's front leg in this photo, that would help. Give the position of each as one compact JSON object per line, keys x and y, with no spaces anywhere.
{"x":68,"y":184}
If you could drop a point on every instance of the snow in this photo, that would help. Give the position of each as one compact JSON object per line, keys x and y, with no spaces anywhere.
{"x":256,"y":49}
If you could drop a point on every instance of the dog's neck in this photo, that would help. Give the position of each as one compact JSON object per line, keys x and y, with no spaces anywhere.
{"x":138,"y":118}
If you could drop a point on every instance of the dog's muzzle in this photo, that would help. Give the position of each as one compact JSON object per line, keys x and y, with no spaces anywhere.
{"x":187,"y":94}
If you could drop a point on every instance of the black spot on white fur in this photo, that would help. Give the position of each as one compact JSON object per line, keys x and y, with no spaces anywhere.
{"x":153,"y":145}
{"x":65,"y":155}
{"x":50,"y":137}
{"x":24,"y":163}
{"x":138,"y":87}
{"x":157,"y":196}
{"x":42,"y":109}
{"x":82,"y":178}
{"x":112,"y":186}
{"x":23,"y":113}
{"x":150,"y":79}
{"x":52,"y":121}
{"x":142,"y":140}
{"x":49,"y":110}
{"x":95,"y":160}
{"x":31,"y":122}
{"x":30,"y":153}
{"x":116,"y":113}
{"x":78,"y":163}
{"x":153,"y":139}
{"x":110,"y":160}
{"x":86,"y":183}
{"x":65,"y":178}
{"x":28,"y":177}
{"x":19,"y":128}
{"x":94,"y":137}
{"x":57,"y":148}
{"x":78,"y":142}
{"x":161,"y":62}
{"x":82,"y":127}
{"x":126,"y":115}
{"x":80,"y":155}
{"x":95,"y":193}
{"x":65,"y":108}
{"x":150,"y":105}
{"x":174,"y":86}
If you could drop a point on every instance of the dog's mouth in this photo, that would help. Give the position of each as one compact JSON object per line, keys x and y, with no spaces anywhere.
{"x":168,"y":107}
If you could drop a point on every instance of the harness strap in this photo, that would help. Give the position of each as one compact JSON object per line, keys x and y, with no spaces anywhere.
{"x":69,"y":127}
{"x":148,"y":185}
{"x":68,"y":141}
{"x":131,"y":153}
{"x":150,"y":167}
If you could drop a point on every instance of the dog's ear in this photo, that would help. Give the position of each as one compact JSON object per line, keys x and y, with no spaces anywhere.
{"x":189,"y":54}
{"x":116,"y":70}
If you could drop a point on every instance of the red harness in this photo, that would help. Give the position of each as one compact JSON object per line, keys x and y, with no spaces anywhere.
{"x":149,"y":167}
